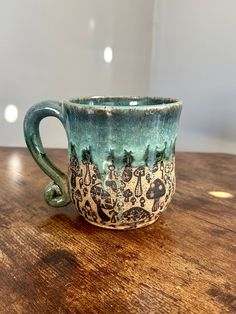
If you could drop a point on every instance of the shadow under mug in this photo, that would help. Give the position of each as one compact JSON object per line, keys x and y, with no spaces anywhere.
{"x":121,"y":165}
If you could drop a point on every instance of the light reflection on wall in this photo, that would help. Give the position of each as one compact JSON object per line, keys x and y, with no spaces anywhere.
{"x":11,"y":113}
{"x":108,"y":54}
{"x":92,"y":24}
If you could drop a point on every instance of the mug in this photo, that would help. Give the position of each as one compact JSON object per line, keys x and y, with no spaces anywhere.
{"x":121,"y":157}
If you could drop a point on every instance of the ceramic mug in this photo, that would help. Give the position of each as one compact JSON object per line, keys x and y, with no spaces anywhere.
{"x":121,"y":157}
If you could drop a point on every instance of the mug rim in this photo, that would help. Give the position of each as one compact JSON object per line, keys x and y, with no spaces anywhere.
{"x":135,"y":102}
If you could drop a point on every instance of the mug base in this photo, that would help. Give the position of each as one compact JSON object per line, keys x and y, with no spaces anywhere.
{"x":127,"y":227}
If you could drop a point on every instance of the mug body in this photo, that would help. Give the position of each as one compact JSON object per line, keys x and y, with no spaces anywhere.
{"x":121,"y":158}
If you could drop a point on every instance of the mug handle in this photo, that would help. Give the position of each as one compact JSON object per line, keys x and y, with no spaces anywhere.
{"x":56,"y":193}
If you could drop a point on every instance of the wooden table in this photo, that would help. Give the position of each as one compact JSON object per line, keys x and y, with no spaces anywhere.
{"x":54,"y":262}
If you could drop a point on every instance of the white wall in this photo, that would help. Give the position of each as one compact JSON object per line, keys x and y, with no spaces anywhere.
{"x":48,"y":50}
{"x":178,"y":48}
{"x":194,"y":58}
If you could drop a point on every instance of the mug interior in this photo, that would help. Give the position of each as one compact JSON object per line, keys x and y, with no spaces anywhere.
{"x":133,"y":101}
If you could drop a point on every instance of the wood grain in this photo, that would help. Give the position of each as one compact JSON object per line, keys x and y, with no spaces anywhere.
{"x":52,"y":261}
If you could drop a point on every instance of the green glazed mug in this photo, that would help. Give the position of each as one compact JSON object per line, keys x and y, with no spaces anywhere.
{"x":121,"y":157}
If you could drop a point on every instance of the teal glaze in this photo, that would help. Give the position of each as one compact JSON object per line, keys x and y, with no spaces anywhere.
{"x":56,"y":193}
{"x":110,"y":125}
{"x":136,"y":131}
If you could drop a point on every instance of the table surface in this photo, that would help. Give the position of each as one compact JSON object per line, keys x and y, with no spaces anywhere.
{"x":52,"y":261}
